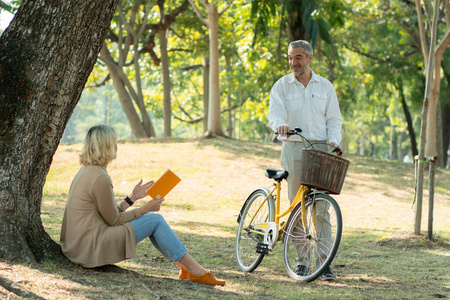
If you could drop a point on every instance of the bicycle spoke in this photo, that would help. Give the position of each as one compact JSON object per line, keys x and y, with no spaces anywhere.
{"x":313,"y":247}
{"x":258,"y":210}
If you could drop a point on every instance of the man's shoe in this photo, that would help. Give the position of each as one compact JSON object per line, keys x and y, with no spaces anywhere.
{"x":301,"y":270}
{"x":328,"y":275}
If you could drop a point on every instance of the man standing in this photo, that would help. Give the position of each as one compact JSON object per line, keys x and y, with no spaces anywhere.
{"x":306,"y":100}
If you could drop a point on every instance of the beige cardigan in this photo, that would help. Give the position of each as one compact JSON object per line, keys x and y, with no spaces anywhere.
{"x":94,"y":231}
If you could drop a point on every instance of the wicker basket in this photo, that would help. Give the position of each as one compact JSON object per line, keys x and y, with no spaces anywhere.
{"x":323,"y":171}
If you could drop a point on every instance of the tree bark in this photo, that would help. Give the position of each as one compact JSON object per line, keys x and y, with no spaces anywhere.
{"x":424,"y":125}
{"x":230,"y":125}
{"x":295,"y":23}
{"x":214,"y":114}
{"x":446,"y":132}
{"x":434,"y":135}
{"x":205,"y":92}
{"x":46,"y":56}
{"x":165,"y":73}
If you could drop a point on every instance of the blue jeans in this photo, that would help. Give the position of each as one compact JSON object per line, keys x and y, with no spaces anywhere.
{"x":153,"y":226}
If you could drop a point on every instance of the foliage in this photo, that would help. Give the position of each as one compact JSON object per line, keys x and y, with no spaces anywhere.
{"x":375,"y":56}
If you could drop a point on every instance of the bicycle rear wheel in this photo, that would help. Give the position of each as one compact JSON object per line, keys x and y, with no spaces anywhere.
{"x":255,"y":214}
{"x":309,"y":249}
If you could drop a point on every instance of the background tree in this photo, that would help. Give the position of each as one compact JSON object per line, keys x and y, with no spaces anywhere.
{"x":130,"y":46}
{"x":46,"y":56}
{"x":432,"y":58}
{"x":127,"y":92}
{"x":212,"y":21}
{"x":390,"y":57}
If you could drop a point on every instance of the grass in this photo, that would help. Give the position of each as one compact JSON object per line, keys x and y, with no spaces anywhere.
{"x":379,"y":257}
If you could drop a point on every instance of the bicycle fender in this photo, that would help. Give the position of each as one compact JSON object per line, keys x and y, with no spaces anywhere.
{"x":266,"y":190}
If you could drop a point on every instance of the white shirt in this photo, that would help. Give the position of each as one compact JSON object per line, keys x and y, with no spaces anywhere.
{"x":315,"y":109}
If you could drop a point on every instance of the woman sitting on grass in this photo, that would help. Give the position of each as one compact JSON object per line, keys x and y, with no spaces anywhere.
{"x":96,"y":230}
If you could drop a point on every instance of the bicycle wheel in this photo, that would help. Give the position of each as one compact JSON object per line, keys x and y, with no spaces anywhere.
{"x":308,"y":251}
{"x":256,"y":212}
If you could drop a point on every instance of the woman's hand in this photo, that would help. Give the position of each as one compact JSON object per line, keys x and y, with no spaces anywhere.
{"x":152,"y":205}
{"x":140,"y":190}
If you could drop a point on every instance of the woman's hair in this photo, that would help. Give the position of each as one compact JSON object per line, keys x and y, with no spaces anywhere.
{"x":99,"y":146}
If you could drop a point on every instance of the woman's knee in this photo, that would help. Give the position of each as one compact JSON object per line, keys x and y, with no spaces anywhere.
{"x":153,"y":217}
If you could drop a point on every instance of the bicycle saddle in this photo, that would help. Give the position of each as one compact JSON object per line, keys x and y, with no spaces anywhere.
{"x":276,"y":174}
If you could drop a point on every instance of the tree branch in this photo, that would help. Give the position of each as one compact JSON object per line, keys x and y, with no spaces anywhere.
{"x":443,"y":45}
{"x":225,"y":9}
{"x":155,"y":28}
{"x":423,"y":37}
{"x":198,"y":13}
{"x":193,"y":67}
{"x":102,"y":83}
{"x":379,"y":60}
{"x":17,"y":289}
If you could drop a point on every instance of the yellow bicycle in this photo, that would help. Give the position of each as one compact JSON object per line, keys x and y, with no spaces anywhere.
{"x":312,"y":232}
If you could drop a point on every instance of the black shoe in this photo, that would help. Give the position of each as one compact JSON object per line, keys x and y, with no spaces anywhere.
{"x":328,"y":275}
{"x":301,"y":270}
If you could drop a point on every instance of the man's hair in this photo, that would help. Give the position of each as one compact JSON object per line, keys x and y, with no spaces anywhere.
{"x":304,"y":44}
{"x":98,"y":148}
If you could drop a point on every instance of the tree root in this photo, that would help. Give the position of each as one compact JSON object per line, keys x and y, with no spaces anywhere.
{"x":17,"y":289}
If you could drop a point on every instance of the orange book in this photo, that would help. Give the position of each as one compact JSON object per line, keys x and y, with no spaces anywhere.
{"x":163,"y":185}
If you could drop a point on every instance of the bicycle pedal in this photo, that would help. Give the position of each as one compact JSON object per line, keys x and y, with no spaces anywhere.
{"x":262,"y":248}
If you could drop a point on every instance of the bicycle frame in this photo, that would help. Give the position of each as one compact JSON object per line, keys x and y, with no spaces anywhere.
{"x":300,"y":197}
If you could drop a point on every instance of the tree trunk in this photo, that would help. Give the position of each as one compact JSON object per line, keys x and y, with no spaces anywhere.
{"x":393,"y":151}
{"x":434,"y":133}
{"x":214,"y":114}
{"x":137,"y":128}
{"x":46,"y":56}
{"x":230,"y":125}
{"x":445,"y":133}
{"x":295,"y":23}
{"x":426,"y":103}
{"x":431,"y":144}
{"x":167,"y":107}
{"x":446,"y":123}
{"x":409,"y":122}
{"x":205,"y":92}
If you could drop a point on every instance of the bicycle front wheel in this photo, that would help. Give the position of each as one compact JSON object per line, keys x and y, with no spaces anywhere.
{"x":258,"y":210}
{"x":310,"y":248}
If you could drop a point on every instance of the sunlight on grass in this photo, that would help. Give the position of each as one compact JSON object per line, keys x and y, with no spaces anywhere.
{"x":378,"y":254}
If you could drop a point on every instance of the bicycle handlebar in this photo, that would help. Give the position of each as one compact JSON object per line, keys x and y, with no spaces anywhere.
{"x":298,"y":131}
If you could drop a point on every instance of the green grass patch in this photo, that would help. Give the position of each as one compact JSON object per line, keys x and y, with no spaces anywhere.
{"x":379,"y":257}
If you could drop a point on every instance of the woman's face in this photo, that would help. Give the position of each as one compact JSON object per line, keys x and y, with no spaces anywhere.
{"x":115,"y":148}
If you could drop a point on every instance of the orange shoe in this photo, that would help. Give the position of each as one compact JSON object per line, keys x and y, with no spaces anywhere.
{"x":183,"y":274}
{"x":206,"y":278}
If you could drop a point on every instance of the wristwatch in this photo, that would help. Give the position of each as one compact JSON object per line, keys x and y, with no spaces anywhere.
{"x":128,"y":200}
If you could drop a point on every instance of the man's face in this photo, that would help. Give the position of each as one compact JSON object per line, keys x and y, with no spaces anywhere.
{"x":298,"y":60}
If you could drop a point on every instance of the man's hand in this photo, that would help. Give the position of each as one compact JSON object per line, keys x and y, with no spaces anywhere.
{"x":283,"y":130}
{"x":339,"y":153}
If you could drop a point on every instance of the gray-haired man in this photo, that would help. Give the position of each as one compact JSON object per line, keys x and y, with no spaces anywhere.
{"x":306,"y":100}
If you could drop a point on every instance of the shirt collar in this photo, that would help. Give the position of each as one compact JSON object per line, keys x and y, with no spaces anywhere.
{"x":313,"y":77}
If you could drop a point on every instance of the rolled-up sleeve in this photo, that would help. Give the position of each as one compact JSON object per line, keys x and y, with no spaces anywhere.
{"x":333,"y":118}
{"x":104,"y":200}
{"x":277,"y":111}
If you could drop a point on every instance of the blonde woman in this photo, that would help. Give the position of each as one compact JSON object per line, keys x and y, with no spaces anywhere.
{"x":96,"y":230}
